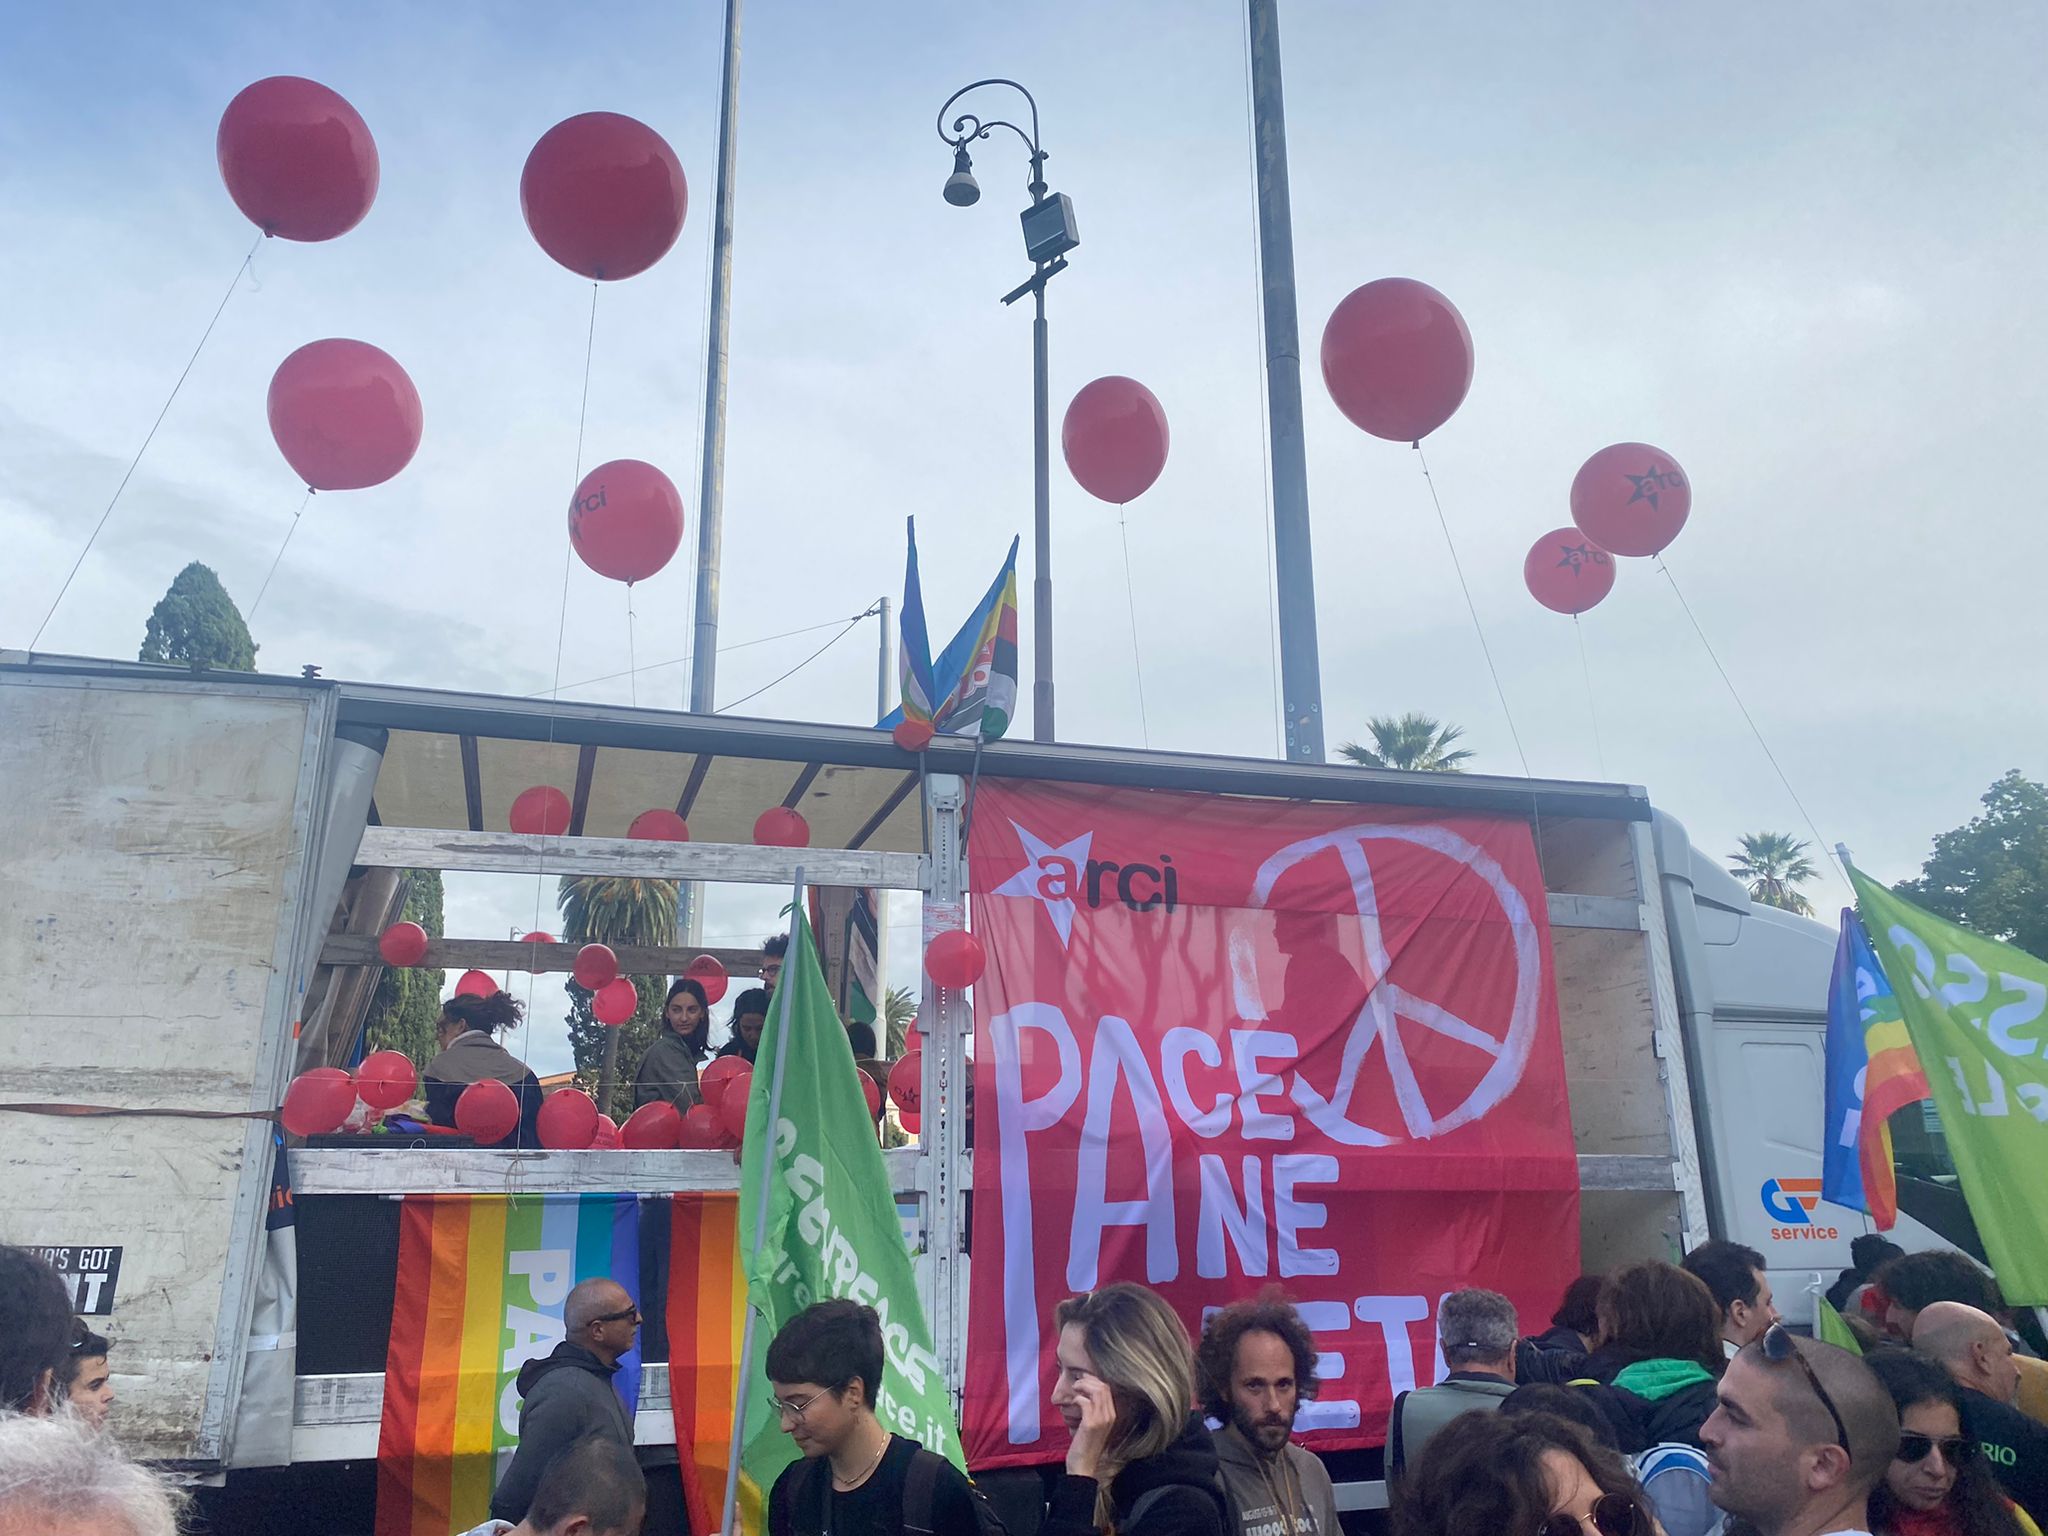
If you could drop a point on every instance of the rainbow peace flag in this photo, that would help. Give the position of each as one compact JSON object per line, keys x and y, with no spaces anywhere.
{"x":481,"y":1282}
{"x":707,"y":1300}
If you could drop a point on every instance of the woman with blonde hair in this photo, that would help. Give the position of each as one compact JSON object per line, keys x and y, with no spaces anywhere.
{"x":1141,"y":1462}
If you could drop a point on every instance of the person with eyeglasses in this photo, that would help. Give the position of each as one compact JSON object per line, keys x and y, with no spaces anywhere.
{"x":1938,"y":1484}
{"x":1519,"y":1474}
{"x":1978,"y":1355}
{"x":568,"y":1394}
{"x":1801,"y":1435}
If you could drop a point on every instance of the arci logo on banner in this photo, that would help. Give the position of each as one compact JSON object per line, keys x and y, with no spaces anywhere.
{"x":1058,"y":877}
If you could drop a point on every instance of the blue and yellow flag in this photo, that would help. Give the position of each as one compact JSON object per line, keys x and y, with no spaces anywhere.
{"x":984,"y":699}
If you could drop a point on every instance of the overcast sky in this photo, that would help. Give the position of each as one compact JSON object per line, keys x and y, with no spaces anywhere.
{"x":1798,"y":247}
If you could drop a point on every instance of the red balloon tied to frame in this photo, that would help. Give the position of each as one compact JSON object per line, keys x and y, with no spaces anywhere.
{"x":870,"y":1090}
{"x":402,"y":944}
{"x":1115,"y":438}
{"x":910,"y":1120}
{"x":781,"y":827}
{"x":1397,"y":359}
{"x":955,"y":959}
{"x":912,"y":735}
{"x":344,"y":414}
{"x":659,"y":827}
{"x":607,"y":1137}
{"x":487,"y":1112}
{"x":1567,"y":572}
{"x":476,"y":984}
{"x":297,"y":159}
{"x":1631,"y":499}
{"x":386,"y":1079}
{"x":317,"y":1101}
{"x":906,"y":1082}
{"x":538,"y":936}
{"x":702,"y":1131}
{"x":710,"y":975}
{"x":595,"y":966}
{"x":717,"y":1073}
{"x":626,"y":521}
{"x":615,"y":1001}
{"x":542,"y":808}
{"x":568,"y":1120}
{"x":732,"y":1103}
{"x":653,"y":1127}
{"x":604,"y":195}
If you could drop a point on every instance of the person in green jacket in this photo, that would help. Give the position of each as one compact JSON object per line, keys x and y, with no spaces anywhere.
{"x":668,"y":1072}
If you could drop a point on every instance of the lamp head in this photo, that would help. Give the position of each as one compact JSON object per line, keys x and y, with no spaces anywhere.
{"x":962,"y":191}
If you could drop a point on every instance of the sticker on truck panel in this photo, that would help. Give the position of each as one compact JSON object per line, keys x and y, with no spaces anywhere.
{"x":1791,"y":1202}
{"x":88,"y":1273}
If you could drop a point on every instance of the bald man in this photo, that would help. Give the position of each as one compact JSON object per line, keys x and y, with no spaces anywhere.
{"x":1780,"y":1458}
{"x":568,"y":1394}
{"x":1975,"y":1349}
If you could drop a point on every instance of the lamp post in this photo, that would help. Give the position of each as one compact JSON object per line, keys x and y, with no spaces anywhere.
{"x":1049,"y":233}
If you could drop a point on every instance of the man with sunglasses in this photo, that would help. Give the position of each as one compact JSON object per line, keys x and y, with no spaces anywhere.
{"x":1801,"y":1433}
{"x":567,"y":1395}
{"x":1974,"y":1349}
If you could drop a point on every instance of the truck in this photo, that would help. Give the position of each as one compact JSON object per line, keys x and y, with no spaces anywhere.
{"x":195,"y":866}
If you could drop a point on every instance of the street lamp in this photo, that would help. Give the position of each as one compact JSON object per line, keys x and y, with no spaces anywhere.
{"x":1049,"y":233}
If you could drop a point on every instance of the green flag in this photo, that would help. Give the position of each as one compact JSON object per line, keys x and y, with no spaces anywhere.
{"x":1829,"y":1328}
{"x":1975,"y":1011}
{"x":832,"y":1228}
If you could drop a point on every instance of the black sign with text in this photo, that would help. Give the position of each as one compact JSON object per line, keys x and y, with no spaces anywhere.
{"x":89,"y":1272}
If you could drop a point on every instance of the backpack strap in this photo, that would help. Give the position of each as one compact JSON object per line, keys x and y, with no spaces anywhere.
{"x":920,"y":1489}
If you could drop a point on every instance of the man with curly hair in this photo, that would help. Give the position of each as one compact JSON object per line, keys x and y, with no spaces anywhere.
{"x":1256,"y":1364}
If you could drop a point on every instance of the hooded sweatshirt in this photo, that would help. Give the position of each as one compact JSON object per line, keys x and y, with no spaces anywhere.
{"x":1656,"y":1401}
{"x":1284,"y":1495}
{"x":565,"y":1396}
{"x":1178,"y":1492}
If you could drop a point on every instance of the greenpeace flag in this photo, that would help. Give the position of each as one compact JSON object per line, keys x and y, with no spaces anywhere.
{"x":1977,"y":1012}
{"x":1227,"y":1042}
{"x":1872,"y":1073}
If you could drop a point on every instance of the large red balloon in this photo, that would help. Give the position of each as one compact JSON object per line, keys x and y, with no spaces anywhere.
{"x":538,"y":936}
{"x":659,"y":826}
{"x":1567,"y":572}
{"x":476,"y":984}
{"x":710,"y":975}
{"x":344,"y":414}
{"x":906,"y":1082}
{"x":595,"y":965}
{"x":386,"y":1079}
{"x":652,"y":1127}
{"x":1397,"y":358}
{"x":716,"y":1074}
{"x":910,"y":1120}
{"x":615,"y":1001}
{"x":781,"y":827}
{"x":568,"y":1120}
{"x":870,"y":1091}
{"x":732,"y":1103}
{"x":317,"y":1101}
{"x":1115,"y":438}
{"x":297,"y":159}
{"x":1631,"y":499}
{"x":487,"y":1112}
{"x":701,"y":1128}
{"x":403,"y":944}
{"x":955,"y":959}
{"x":604,"y":195}
{"x":542,"y":808}
{"x":626,"y":520}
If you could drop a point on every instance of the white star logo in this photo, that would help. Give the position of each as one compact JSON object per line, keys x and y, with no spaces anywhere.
{"x":1050,"y":877}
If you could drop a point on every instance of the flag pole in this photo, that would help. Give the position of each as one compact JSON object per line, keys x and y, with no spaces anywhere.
{"x":739,"y":1405}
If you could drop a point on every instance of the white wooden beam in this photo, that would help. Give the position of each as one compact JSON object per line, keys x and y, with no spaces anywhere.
{"x":510,"y":954}
{"x":485,"y":1171}
{"x":519,"y":853}
{"x":1620,"y":912}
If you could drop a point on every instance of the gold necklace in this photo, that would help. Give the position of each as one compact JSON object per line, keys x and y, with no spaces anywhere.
{"x":848,"y":1484}
{"x":1287,"y":1508}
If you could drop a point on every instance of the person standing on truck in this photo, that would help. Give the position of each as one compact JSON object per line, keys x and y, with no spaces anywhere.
{"x":1735,"y":1274}
{"x":1140,"y":1462}
{"x":36,"y":1329}
{"x":568,"y":1394}
{"x":1255,"y":1365}
{"x":1653,"y":1373}
{"x":1477,"y":1331}
{"x":1973,"y":1348}
{"x":774,"y":949}
{"x":749,"y":1018}
{"x":591,"y":1489}
{"x":668,"y":1070}
{"x":470,"y":1054}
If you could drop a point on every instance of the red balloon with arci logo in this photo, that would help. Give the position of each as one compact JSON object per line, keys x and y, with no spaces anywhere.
{"x":604,"y":195}
{"x":297,"y":159}
{"x":344,"y":414}
{"x":1631,"y":499}
{"x":626,"y":521}
{"x":1567,"y":572}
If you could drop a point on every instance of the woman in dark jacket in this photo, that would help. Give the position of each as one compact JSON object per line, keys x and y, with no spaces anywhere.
{"x":1938,"y":1484}
{"x":1140,"y":1460}
{"x":749,"y":1018}
{"x":470,"y":1054}
{"x":668,"y":1070}
{"x":1659,"y":1355}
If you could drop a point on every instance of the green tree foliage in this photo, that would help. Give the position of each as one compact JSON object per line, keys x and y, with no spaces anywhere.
{"x":1775,"y":865}
{"x":1413,"y":741}
{"x":197,"y":624}
{"x":407,"y":1002}
{"x":604,"y":910}
{"x":1991,"y":874}
{"x":898,"y":1009}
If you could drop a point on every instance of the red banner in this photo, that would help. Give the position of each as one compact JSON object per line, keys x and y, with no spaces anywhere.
{"x":1226,"y":1042}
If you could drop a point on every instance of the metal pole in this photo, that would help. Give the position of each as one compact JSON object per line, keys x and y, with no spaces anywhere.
{"x":711,"y":489}
{"x":885,"y":668}
{"x":1301,"y":682}
{"x":1041,"y":527}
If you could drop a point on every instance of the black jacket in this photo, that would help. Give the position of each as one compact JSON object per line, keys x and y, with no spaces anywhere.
{"x":1181,"y":1490}
{"x":1643,"y":1415}
{"x":565,"y":1396}
{"x":2015,"y":1448}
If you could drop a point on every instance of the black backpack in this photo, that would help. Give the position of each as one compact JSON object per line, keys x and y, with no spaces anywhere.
{"x":812,"y":1492}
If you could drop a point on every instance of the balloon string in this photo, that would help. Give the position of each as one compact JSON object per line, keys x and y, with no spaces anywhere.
{"x":1131,"y":599}
{"x":146,"y":441}
{"x":1592,"y":707}
{"x":279,"y":556}
{"x":1473,"y":609}
{"x":1826,"y":846}
{"x":632,"y":660}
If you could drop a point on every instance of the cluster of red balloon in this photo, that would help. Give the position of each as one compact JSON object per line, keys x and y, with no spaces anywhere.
{"x":1627,"y":499}
{"x":319,"y":1100}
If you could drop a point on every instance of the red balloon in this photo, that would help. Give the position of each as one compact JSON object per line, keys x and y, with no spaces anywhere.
{"x":702,"y":1131}
{"x":615,"y":1001}
{"x":1397,"y":359}
{"x":476,"y":984}
{"x":344,"y":414}
{"x":607,"y":1138}
{"x":626,"y":520}
{"x":386,"y":1079}
{"x":403,"y":944}
{"x":732,"y":1104}
{"x":568,"y":1120}
{"x":487,"y":1112}
{"x":538,"y":936}
{"x":1115,"y":438}
{"x":781,"y":827}
{"x":1567,"y":572}
{"x":542,"y":808}
{"x":595,"y":965}
{"x":869,"y":1091}
{"x":709,"y":975}
{"x":906,"y":1082}
{"x":604,"y":195}
{"x":653,"y":1127}
{"x":298,"y":160}
{"x":317,"y":1101}
{"x":716,"y":1074}
{"x":659,"y":827}
{"x":910,"y":1120}
{"x":912,"y":735}
{"x":955,"y":959}
{"x":1631,"y":499}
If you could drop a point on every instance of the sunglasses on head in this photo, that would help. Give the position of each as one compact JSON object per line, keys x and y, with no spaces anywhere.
{"x":1614,"y":1514}
{"x":1779,"y":1346}
{"x":1955,"y":1449}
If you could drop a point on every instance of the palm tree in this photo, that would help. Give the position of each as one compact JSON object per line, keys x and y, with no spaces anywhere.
{"x":898,"y":1009}
{"x":603,"y":909}
{"x":1774,"y":863}
{"x":1413,"y":741}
